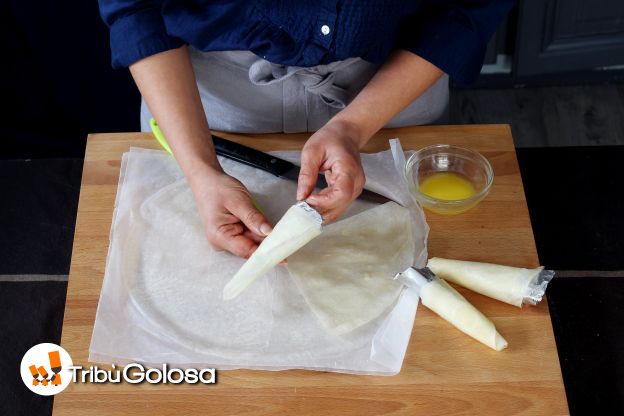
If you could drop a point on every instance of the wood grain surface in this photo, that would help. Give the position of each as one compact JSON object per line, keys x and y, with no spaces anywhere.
{"x":444,"y":373}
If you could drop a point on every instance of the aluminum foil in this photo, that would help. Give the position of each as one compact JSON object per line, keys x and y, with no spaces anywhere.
{"x":314,"y":214}
{"x":537,"y":287}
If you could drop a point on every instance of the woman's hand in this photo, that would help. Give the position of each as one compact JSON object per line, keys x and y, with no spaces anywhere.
{"x":231,"y":221}
{"x":334,"y":150}
{"x":167,"y":83}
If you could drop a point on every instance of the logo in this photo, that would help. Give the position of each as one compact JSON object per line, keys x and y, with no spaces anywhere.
{"x":45,"y":369}
{"x":135,"y":373}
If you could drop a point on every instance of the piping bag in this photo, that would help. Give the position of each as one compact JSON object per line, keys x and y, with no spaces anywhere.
{"x":299,"y":225}
{"x":449,"y":304}
{"x":513,"y":285}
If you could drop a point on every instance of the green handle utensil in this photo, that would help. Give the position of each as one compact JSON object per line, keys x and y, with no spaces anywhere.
{"x":160,"y":137}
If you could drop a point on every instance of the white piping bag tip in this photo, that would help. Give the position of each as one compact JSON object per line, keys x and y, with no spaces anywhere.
{"x":228,"y":293}
{"x":500,"y":343}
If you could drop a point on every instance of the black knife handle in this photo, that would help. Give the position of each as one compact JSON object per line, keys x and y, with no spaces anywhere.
{"x":251,"y":157}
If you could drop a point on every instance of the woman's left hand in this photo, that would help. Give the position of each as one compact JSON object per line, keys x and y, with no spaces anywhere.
{"x":335,"y":151}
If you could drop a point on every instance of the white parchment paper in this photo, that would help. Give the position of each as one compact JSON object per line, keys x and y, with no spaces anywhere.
{"x":161,"y":296}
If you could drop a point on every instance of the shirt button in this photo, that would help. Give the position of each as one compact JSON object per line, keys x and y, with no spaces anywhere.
{"x":325,"y":30}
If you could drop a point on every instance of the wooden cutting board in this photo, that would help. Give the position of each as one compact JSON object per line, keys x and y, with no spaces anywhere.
{"x":445,"y":372}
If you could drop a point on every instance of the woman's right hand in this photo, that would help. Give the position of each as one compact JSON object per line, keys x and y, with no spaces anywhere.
{"x":167,"y":82}
{"x":231,"y":221}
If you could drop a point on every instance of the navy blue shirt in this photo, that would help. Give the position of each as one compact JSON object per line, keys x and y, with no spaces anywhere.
{"x":451,"y":34}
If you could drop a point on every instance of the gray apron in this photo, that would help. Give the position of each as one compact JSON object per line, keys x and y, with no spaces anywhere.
{"x":243,"y":93}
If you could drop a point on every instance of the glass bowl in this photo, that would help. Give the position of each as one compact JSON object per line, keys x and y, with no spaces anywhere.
{"x":470,"y":165}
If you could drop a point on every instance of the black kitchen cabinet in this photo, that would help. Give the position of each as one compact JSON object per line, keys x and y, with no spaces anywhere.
{"x":559,"y":42}
{"x":569,"y":35}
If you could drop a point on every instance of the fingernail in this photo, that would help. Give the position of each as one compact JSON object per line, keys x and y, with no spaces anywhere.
{"x":265,"y":229}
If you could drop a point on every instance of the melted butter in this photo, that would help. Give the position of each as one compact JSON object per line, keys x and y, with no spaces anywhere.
{"x":447,"y":186}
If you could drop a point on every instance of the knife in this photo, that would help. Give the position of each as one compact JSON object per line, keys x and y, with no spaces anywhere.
{"x":276,"y":166}
{"x":263,"y":161}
